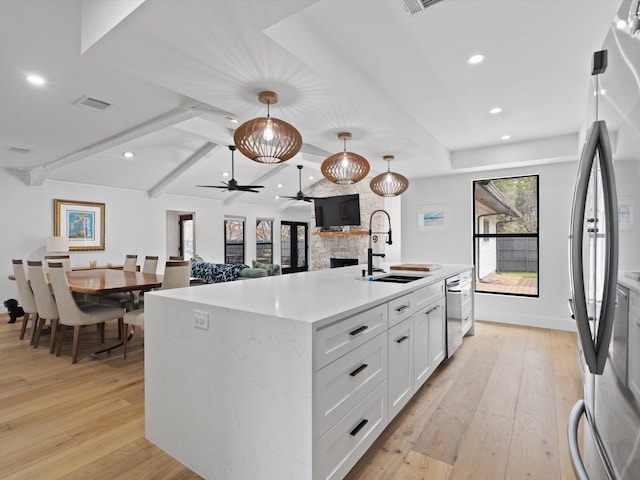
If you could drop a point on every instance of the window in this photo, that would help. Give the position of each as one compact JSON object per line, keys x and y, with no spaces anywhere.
{"x":505,"y":230}
{"x":264,"y":241}
{"x":234,"y":240}
{"x":293,"y":238}
{"x":186,"y":236}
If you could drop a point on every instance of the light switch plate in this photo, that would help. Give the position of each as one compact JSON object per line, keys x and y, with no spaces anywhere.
{"x":201,"y":319}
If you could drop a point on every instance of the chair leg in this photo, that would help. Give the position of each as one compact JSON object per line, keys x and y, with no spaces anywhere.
{"x":124,"y":339}
{"x":76,"y":342}
{"x":120,"y":328}
{"x":101,"y":332}
{"x":54,"y":332}
{"x":63,"y":329}
{"x":34,"y":325}
{"x":23,"y":329}
{"x":36,"y":340}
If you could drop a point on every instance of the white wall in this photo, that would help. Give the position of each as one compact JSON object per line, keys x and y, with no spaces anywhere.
{"x":455,"y":244}
{"x":134,"y":224}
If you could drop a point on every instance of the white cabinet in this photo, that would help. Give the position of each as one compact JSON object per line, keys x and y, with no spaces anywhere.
{"x":429,"y":341}
{"x":416,"y":346}
{"x":633,"y":358}
{"x":400,"y":346}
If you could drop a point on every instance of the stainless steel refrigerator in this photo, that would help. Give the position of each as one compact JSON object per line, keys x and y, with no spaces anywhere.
{"x":600,"y":248}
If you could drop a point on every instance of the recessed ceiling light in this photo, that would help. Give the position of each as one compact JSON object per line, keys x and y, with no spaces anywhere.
{"x":311,"y":177}
{"x":276,"y":196}
{"x":505,"y":137}
{"x":280,"y":185}
{"x":476,"y":59}
{"x":621,"y":24}
{"x":495,"y":110}
{"x":35,"y":79}
{"x":128,"y":154}
{"x":225,"y":174}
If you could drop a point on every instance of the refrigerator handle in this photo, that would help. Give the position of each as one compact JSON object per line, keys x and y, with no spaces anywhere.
{"x":608,"y":308}
{"x":572,"y":434}
{"x":576,"y":271}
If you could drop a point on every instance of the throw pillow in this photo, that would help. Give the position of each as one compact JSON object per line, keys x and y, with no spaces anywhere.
{"x":271,"y":268}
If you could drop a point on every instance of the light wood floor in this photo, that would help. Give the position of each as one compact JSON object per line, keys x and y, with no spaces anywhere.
{"x":497,"y":410}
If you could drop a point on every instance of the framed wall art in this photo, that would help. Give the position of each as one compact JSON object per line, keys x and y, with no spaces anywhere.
{"x":432,"y":217}
{"x":81,"y":222}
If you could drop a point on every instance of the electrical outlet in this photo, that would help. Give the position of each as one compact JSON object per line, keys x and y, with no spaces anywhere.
{"x":201,"y":319}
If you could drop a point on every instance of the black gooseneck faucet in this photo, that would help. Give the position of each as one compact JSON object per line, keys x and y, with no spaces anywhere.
{"x":370,"y":253}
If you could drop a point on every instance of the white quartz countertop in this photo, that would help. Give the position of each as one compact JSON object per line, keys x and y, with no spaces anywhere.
{"x":629,"y":282}
{"x":310,"y":297}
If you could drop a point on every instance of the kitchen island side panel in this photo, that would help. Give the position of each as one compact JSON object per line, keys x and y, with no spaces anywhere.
{"x":233,"y":401}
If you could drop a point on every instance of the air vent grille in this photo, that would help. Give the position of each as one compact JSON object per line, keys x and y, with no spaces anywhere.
{"x":94,"y":104}
{"x":18,"y":150}
{"x":415,"y":6}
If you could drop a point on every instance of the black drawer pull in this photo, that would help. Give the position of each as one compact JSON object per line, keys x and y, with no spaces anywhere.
{"x":358,"y":370}
{"x":359,"y":330}
{"x":360,"y":426}
{"x":402,"y":308}
{"x":402,"y":339}
{"x":432,"y":309}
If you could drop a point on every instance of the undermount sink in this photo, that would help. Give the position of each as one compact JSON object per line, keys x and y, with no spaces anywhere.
{"x":399,"y":278}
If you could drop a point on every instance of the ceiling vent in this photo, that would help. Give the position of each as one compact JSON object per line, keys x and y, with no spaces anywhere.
{"x":92,"y":103}
{"x":18,"y":150}
{"x":415,"y":6}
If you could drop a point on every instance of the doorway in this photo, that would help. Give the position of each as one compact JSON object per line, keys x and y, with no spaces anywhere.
{"x":181,"y":234}
{"x":294,"y":246}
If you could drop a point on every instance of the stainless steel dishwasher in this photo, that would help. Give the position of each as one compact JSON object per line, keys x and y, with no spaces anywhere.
{"x":454,"y":313}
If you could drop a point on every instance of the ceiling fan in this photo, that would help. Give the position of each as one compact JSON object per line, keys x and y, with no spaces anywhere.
{"x":232,"y":185}
{"x":300,"y":195}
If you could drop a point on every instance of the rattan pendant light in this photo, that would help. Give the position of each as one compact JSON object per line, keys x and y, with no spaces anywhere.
{"x":389,"y":184}
{"x":345,"y":168}
{"x":267,"y":139}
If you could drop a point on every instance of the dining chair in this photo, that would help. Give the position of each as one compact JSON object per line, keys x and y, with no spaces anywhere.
{"x":64,"y":259}
{"x":26,"y":298}
{"x":126,"y":300}
{"x":150,"y":264}
{"x":130,"y":263}
{"x":46,"y":303}
{"x":75,"y":314}
{"x":175,"y":259}
{"x":177,"y":274}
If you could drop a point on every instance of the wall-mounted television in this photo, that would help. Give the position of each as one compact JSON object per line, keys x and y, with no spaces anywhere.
{"x":339,"y":211}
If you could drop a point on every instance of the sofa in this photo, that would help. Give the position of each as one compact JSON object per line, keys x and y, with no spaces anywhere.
{"x":223,"y":272}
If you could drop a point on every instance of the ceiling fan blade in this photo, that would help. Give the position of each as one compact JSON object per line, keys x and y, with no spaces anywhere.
{"x":247,"y":189}
{"x":287,"y":196}
{"x":214,"y":186}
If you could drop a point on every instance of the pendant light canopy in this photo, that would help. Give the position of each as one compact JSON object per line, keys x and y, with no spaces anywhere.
{"x":345,"y":168}
{"x":267,"y":139}
{"x":389,"y":184}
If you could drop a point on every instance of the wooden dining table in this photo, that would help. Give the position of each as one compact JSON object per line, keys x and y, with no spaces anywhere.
{"x":101,"y":281}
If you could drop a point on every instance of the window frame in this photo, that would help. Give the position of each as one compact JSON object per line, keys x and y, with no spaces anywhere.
{"x":227,"y":243}
{"x":486,"y":237}
{"x":258,"y":259}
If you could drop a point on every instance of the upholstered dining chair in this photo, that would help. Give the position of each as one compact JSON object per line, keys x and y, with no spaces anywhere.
{"x":150,"y":264}
{"x":177,"y":274}
{"x":127,"y":300}
{"x":77,"y":315}
{"x":175,"y":258}
{"x":46,"y":303}
{"x":130,"y":263}
{"x":26,"y":298}
{"x":64,"y":259}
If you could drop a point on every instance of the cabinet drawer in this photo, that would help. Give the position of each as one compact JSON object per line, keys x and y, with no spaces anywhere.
{"x":400,"y":308}
{"x":400,"y":355}
{"x":333,"y":341}
{"x":342,"y":384}
{"x":342,"y":446}
{"x":426,"y":295}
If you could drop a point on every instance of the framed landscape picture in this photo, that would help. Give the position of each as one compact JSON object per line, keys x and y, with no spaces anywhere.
{"x":81,"y":222}
{"x":432,"y":217}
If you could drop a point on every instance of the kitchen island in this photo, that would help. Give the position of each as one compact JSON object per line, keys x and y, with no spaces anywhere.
{"x":285,"y":377}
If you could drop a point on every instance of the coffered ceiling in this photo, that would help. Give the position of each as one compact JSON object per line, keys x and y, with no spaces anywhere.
{"x":175,"y":71}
